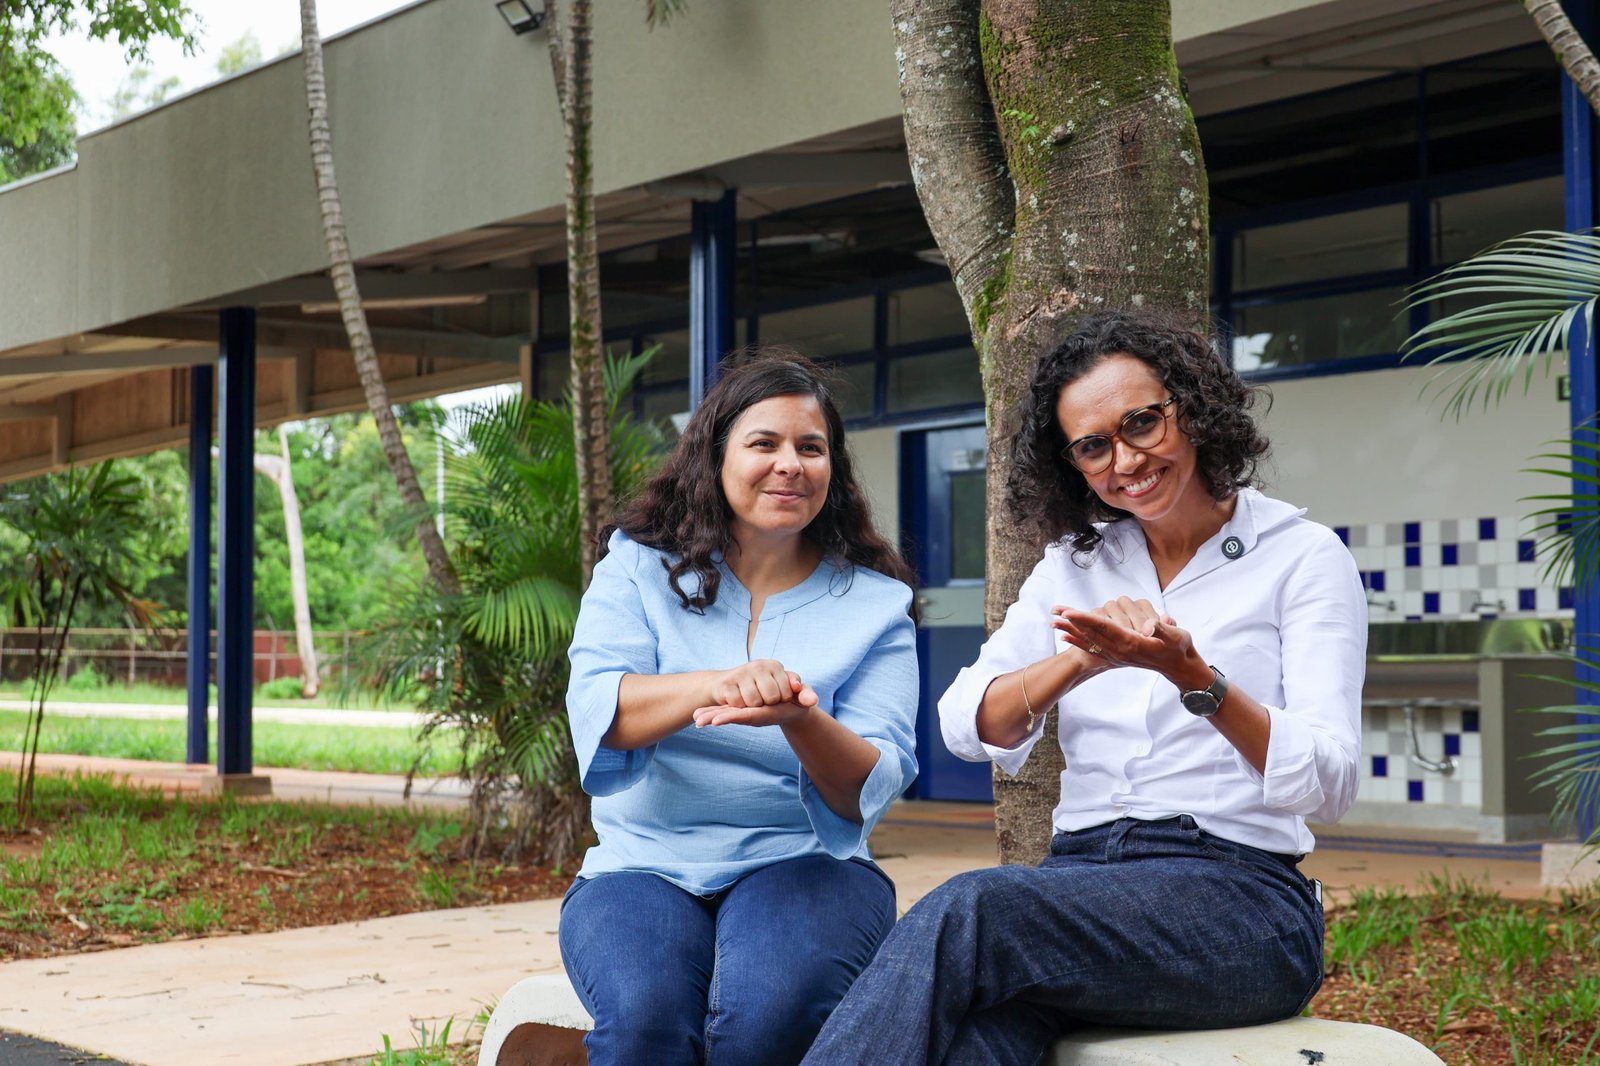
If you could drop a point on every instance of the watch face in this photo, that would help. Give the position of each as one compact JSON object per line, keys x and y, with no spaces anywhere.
{"x":1200,"y":702}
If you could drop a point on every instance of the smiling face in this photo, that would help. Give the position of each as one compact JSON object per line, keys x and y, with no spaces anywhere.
{"x":776,"y":468}
{"x":1159,"y":484}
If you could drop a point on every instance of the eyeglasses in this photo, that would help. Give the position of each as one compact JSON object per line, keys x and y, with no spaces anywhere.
{"x":1140,"y":429}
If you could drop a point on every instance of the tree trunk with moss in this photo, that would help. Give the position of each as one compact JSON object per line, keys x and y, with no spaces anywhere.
{"x":1059,"y":168}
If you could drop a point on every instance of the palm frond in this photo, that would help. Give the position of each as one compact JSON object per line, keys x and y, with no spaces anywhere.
{"x":1527,"y":293}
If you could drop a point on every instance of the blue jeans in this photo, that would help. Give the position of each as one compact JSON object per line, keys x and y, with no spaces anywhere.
{"x":1149,"y":924}
{"x":744,"y":976}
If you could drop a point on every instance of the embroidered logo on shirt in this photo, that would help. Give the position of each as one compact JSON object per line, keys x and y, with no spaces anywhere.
{"x":1233,"y":547}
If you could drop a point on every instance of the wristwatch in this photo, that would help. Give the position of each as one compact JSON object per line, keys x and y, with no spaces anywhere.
{"x":1203,"y":702}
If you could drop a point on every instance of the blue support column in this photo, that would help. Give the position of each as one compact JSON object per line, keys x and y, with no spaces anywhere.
{"x":714,"y":236}
{"x":1578,"y":136}
{"x":236,"y":382}
{"x":201,"y":387}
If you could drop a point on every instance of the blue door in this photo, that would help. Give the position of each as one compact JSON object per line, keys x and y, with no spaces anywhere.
{"x":942,"y":494}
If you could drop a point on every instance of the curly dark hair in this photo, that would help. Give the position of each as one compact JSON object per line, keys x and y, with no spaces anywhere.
{"x":1049,"y":497}
{"x":682,"y":510}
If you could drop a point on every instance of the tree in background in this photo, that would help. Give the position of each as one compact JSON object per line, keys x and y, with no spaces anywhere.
{"x":54,"y":141}
{"x":36,"y":97}
{"x":341,"y":266}
{"x":279,"y":469}
{"x":70,"y":530}
{"x":1059,"y":168}
{"x":490,"y":665}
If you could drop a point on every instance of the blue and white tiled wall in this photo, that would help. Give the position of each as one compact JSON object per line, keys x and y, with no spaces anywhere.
{"x":1452,"y":568}
{"x":1389,"y":775}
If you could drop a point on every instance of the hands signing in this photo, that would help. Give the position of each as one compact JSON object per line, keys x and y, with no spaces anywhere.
{"x":761,"y":692}
{"x":1126,"y":632}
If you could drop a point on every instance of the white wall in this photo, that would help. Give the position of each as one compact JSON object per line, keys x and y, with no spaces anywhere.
{"x":877,"y":464}
{"x":1377,"y":447}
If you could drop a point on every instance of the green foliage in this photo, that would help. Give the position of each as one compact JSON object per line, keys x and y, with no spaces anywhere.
{"x":283,"y":688}
{"x":432,"y":1048}
{"x":355,"y":749}
{"x":68,"y":532}
{"x":52,"y":143}
{"x":140,"y":90}
{"x":38,"y":97}
{"x":239,"y":55}
{"x":490,"y":665}
{"x":1522,"y":298}
{"x":1510,"y":310}
{"x":86,"y":679}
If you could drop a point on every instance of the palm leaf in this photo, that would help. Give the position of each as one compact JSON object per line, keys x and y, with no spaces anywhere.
{"x":1528,"y":293}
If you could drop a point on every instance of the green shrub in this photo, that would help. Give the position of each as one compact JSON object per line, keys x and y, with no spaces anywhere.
{"x":86,"y":679}
{"x":283,"y":688}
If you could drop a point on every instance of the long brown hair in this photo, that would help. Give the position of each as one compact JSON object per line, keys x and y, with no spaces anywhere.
{"x":682,"y":510}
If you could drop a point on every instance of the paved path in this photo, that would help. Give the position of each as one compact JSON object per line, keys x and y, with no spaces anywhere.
{"x":290,"y":715}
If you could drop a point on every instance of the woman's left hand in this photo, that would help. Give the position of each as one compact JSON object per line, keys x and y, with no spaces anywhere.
{"x":763,"y":714}
{"x":1128,"y":632}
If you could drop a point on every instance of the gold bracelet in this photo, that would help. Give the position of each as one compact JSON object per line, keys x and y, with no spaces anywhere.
{"x":1033,"y":718}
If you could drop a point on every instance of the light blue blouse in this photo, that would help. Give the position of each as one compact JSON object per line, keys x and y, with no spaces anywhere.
{"x":704,"y":807}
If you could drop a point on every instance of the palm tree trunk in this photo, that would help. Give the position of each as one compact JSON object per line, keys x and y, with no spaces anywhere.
{"x":571,"y":62}
{"x":1059,"y":169}
{"x":342,"y":269}
{"x":280,"y":472}
{"x":1568,"y":46}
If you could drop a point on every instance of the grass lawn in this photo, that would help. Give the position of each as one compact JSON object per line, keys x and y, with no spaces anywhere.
{"x":361,"y":749}
{"x":144,"y":692}
{"x":104,"y":864}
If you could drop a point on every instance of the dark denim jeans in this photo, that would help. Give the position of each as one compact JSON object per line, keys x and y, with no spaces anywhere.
{"x":1150,"y":924}
{"x":745,"y":976}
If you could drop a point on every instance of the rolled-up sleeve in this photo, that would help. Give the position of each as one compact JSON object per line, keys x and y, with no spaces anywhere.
{"x":878,"y":702}
{"x":613,"y":637}
{"x":1024,"y":637}
{"x":1314,"y":749}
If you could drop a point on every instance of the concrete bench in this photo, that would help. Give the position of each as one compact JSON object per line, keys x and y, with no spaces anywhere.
{"x":541,"y":1022}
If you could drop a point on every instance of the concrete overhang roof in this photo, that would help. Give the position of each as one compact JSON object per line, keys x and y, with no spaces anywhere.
{"x":451,"y":168}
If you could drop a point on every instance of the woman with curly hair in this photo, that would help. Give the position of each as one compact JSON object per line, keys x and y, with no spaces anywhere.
{"x":743,"y":700}
{"x":1206,"y":647}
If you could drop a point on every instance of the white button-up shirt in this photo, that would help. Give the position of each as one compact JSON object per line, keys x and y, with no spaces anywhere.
{"x":1274,"y":602}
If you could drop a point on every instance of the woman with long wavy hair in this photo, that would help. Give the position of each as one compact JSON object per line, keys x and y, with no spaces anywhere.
{"x":743,"y":699}
{"x":1205,"y":645}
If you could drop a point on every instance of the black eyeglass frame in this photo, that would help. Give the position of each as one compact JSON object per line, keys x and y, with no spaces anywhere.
{"x":1116,"y":435}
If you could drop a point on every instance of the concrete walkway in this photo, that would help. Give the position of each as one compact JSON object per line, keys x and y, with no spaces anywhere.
{"x":330,"y":993}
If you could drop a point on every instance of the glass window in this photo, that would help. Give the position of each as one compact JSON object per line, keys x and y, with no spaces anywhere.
{"x":926,"y":312}
{"x":1355,"y":242}
{"x":969,"y":532}
{"x":942,"y":379}
{"x":1319,"y":330}
{"x":822,"y":329}
{"x":854,"y":388}
{"x":1493,"y":108}
{"x":1469,"y":222}
{"x":661,"y":406}
{"x":671,"y":362}
{"x":552,"y":370}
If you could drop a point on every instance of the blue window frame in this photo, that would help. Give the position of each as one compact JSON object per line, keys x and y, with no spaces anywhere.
{"x":1316,"y":285}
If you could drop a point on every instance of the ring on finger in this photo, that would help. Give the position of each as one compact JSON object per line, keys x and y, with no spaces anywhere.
{"x":1095,"y":649}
